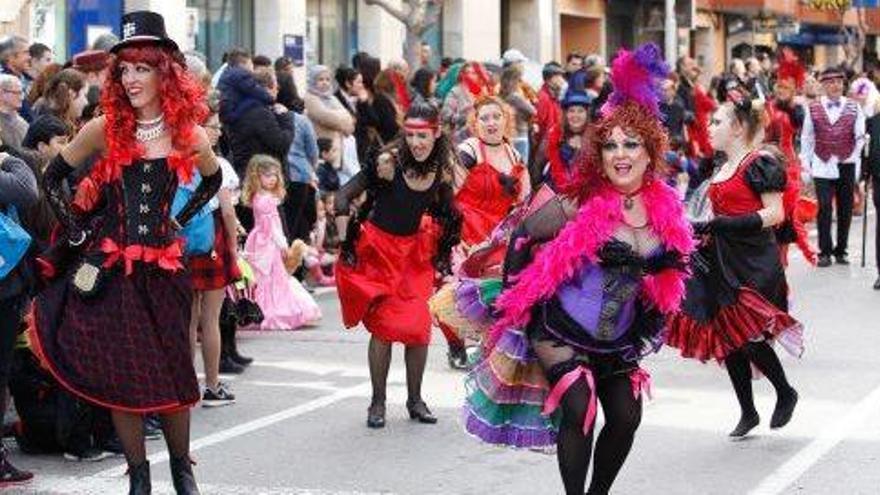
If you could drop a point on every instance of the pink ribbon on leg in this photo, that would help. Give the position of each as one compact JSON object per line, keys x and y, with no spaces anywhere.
{"x":641,"y":383}
{"x":562,"y":386}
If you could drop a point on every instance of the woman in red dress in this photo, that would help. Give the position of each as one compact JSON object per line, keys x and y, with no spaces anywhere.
{"x":113,"y":328}
{"x":492,"y":178}
{"x":400,"y":236}
{"x":736,"y":300}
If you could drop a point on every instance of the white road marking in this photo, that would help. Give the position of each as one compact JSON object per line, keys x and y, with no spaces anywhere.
{"x":827,"y":439}
{"x":250,"y":426}
{"x":72,"y":485}
{"x":322,"y":386}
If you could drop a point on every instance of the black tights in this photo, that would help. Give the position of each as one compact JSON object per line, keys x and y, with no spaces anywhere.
{"x":130,"y":428}
{"x":622,"y":411}
{"x":379,"y":357}
{"x":765,"y":359}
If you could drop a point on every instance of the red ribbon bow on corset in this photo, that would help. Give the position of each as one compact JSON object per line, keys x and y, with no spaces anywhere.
{"x":167,"y":258}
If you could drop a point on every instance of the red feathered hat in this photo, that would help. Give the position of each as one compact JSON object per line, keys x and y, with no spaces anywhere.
{"x":790,"y":71}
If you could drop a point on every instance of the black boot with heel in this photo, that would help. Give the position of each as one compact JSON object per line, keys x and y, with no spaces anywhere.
{"x":139,"y":479}
{"x":182,"y":476}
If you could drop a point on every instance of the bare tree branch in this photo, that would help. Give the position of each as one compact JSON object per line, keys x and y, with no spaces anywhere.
{"x":395,"y":12}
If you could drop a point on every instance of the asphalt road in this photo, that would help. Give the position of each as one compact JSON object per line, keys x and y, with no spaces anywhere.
{"x":298,"y":426}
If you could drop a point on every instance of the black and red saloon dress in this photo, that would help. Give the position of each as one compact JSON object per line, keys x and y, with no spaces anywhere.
{"x":487,"y":195}
{"x":388,"y":287}
{"x":737,"y":292}
{"x":125,"y":347}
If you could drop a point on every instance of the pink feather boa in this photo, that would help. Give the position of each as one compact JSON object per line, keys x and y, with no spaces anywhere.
{"x":580,"y":240}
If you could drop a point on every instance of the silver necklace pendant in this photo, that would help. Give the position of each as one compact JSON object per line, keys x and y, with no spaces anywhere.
{"x":628,"y":203}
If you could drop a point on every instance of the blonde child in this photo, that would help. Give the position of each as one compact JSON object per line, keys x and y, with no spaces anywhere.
{"x":285,"y":303}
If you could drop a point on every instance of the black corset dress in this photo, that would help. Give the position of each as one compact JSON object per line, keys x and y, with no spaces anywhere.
{"x":126,"y":347}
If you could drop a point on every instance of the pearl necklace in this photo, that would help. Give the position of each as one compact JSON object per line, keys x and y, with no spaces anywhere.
{"x":150,"y":130}
{"x":151,"y":122}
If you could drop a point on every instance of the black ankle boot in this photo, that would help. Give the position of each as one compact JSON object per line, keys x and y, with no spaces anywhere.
{"x":182,"y":476}
{"x":229,"y":366}
{"x":139,"y":479}
{"x":230,"y":347}
{"x":238,"y":358}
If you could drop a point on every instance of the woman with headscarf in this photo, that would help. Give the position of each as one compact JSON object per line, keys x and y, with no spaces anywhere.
{"x":330,"y":119}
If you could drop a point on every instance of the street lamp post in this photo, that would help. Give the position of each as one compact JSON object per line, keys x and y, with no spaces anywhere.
{"x":670,"y":32}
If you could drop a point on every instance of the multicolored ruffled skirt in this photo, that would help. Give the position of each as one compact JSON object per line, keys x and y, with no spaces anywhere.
{"x":465,"y":305}
{"x":506,"y":391}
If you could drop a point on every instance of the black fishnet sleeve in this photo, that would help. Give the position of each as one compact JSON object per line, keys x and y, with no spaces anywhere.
{"x":206,"y":190}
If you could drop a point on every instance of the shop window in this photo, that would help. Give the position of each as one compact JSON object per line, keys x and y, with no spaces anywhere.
{"x":221,"y":24}
{"x":331,"y":31}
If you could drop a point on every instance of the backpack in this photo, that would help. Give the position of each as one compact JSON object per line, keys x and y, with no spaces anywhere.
{"x":199,"y":232}
{"x":14,"y":241}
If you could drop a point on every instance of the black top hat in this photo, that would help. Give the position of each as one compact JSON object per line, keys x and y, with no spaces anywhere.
{"x":143,"y":27}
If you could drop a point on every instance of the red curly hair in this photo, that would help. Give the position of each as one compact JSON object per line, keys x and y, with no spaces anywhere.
{"x":632,"y":118}
{"x":183,"y":104}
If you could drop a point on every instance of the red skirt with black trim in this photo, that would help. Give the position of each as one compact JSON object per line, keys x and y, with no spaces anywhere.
{"x":219,"y":268}
{"x":389,"y":286}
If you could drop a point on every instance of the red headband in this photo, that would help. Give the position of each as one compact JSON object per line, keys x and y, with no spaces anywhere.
{"x":420,"y":125}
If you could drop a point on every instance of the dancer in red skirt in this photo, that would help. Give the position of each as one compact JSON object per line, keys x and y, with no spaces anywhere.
{"x":492,"y":178}
{"x":490,"y":182}
{"x":113,"y":324}
{"x":736,"y":300}
{"x":393,"y":249}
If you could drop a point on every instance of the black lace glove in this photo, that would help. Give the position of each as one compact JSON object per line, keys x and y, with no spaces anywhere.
{"x":204,"y":192}
{"x":669,"y":259}
{"x":742,"y":224}
{"x":53,"y":186}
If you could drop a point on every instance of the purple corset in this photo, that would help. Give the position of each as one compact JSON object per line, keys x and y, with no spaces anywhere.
{"x":601,"y":300}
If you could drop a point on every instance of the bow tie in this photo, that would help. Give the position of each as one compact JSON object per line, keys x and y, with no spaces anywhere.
{"x":834,"y":104}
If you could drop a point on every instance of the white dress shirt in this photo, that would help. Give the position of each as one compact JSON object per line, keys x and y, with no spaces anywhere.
{"x":814,"y":165}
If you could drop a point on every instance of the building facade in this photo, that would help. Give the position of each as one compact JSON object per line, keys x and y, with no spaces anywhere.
{"x":331,"y":31}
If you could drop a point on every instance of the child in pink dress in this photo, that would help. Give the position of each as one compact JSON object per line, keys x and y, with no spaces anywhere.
{"x":285,"y":303}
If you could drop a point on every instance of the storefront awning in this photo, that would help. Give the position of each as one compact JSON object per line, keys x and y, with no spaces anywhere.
{"x":809,"y":35}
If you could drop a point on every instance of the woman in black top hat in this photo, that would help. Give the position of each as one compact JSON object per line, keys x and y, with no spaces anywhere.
{"x":113,"y":322}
